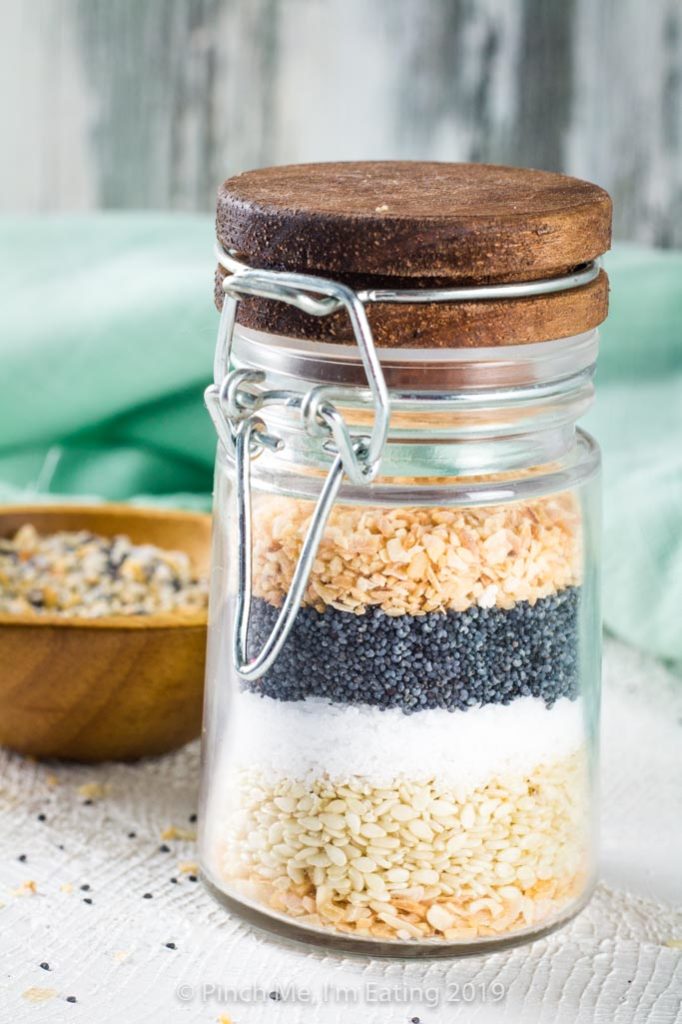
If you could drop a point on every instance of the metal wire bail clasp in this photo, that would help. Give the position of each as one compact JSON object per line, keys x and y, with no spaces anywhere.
{"x":234,"y":402}
{"x":273,"y":645}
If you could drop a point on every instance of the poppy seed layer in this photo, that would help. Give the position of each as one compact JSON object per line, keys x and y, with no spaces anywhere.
{"x":452,"y":660}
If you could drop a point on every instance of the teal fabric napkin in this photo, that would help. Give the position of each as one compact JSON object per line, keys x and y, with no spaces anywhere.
{"x":107,"y":330}
{"x":637,"y":419}
{"x":106,"y":344}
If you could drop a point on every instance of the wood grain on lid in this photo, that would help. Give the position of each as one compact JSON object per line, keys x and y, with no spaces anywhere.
{"x":460,"y":221}
{"x":421,"y":224}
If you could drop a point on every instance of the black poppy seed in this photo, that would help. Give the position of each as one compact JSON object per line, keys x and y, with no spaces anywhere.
{"x":174,"y":881}
{"x":132,"y":835}
{"x":452,"y":660}
{"x":85,"y":887}
{"x":45,"y":966}
{"x":192,"y":819}
{"x":71,"y":999}
{"x":88,"y":803}
{"x":42,"y":817}
{"x":415,"y":1020}
{"x":164,"y":848}
{"x":22,"y":858}
{"x":171,"y":945}
{"x":192,"y":878}
{"x":147,"y":896}
{"x":86,"y":899}
{"x":275,"y":995}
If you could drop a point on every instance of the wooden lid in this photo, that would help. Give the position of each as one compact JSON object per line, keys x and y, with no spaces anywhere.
{"x":413,"y":224}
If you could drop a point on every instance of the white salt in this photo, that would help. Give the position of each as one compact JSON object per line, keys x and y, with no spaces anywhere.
{"x":313,"y":737}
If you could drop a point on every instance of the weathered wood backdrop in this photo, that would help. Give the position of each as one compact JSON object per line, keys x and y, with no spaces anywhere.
{"x":149,"y":103}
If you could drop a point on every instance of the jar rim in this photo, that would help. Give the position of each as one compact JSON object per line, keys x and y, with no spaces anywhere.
{"x":576,"y":467}
{"x":419,"y":370}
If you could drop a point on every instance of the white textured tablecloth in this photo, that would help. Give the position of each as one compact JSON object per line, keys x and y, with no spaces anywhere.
{"x":619,"y":961}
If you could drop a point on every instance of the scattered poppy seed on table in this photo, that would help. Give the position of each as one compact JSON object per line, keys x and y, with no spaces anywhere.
{"x":171,"y":945}
{"x":192,"y":819}
{"x":42,"y":817}
{"x":275,"y":996}
{"x":85,"y":887}
{"x":132,"y":835}
{"x":86,"y":899}
{"x":71,"y":999}
{"x":22,"y":858}
{"x":45,"y":966}
{"x":174,"y":881}
{"x":88,"y":803}
{"x":164,"y":848}
{"x":192,"y":878}
{"x":147,"y":896}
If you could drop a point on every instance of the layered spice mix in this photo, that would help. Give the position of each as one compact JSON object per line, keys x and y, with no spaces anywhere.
{"x":412,"y":766}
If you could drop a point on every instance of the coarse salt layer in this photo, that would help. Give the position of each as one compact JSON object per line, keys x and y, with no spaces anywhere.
{"x":314,"y":737}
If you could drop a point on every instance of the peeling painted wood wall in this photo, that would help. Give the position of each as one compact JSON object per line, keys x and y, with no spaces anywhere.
{"x":150,"y":103}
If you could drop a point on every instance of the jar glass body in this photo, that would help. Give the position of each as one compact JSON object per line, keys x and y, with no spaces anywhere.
{"x":415,"y":773}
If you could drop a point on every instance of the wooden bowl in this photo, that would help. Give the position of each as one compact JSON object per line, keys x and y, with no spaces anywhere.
{"x":114,"y":688}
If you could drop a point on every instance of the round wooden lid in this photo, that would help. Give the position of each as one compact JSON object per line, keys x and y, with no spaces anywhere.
{"x":421,"y":224}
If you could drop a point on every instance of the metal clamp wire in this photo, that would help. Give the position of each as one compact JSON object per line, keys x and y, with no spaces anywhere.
{"x":260,"y":664}
{"x":237,"y":402}
{"x":231,"y":403}
{"x":475,"y":293}
{"x":328,"y":420}
{"x":290,"y":288}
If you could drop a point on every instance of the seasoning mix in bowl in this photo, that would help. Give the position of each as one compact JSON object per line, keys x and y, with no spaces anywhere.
{"x":80,"y":574}
{"x":403,"y":663}
{"x":103,"y":630}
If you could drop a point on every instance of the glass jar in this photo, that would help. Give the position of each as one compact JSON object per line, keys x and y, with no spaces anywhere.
{"x":403,"y":670}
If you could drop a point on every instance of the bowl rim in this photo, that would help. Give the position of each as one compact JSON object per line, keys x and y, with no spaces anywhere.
{"x":155,"y":620}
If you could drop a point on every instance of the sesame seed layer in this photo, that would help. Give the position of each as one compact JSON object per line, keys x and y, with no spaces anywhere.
{"x":453,"y":660}
{"x":409,"y":860}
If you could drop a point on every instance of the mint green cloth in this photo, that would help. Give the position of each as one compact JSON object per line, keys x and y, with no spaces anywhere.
{"x":637,"y":420}
{"x":106,"y":345}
